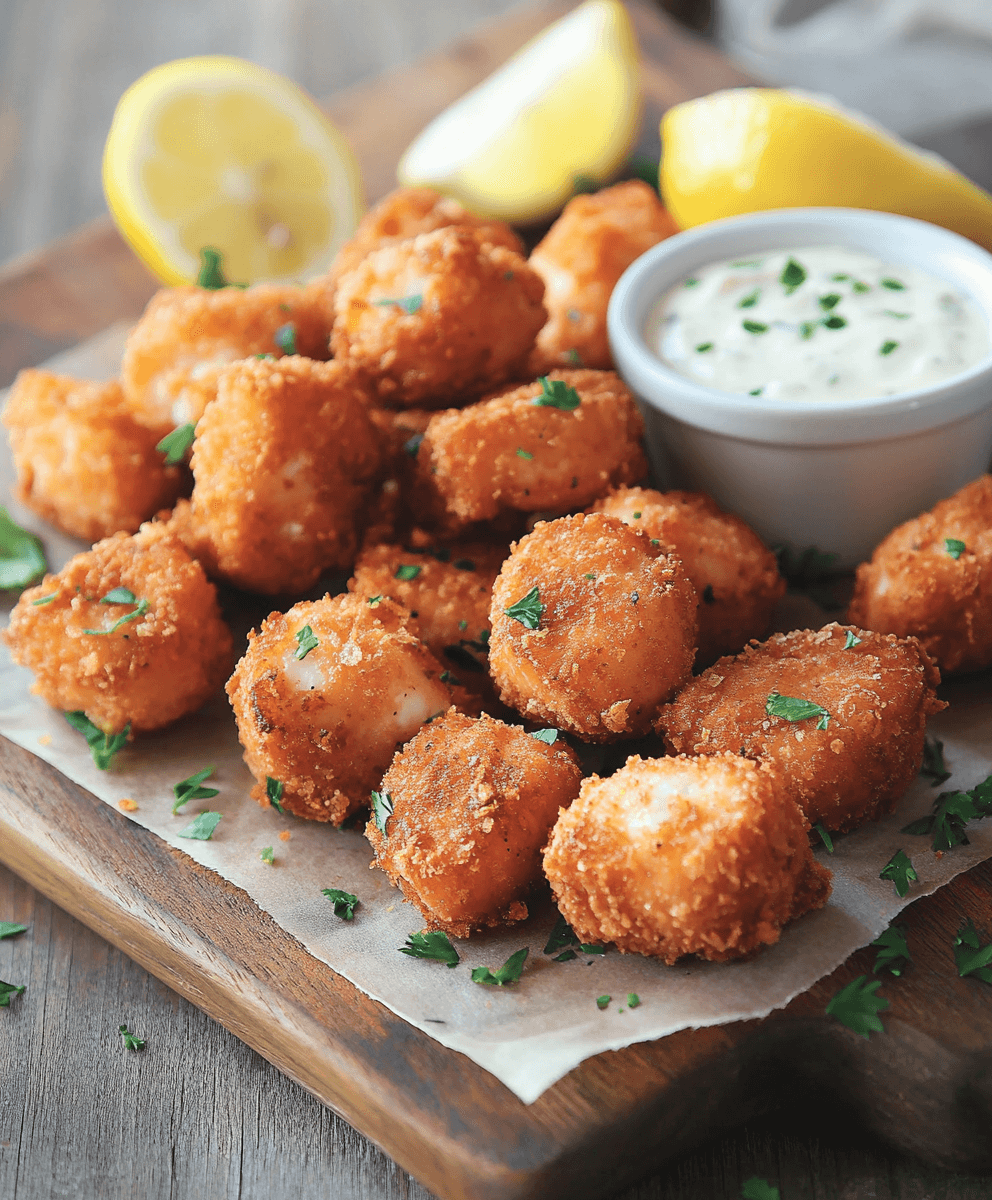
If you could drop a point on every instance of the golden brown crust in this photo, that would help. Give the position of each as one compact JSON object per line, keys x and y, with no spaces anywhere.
{"x":615,"y":639}
{"x":473,"y":803}
{"x":877,"y":694}
{"x":82,"y":461}
{"x":913,"y":585}
{"x":150,"y":671}
{"x":680,"y":856}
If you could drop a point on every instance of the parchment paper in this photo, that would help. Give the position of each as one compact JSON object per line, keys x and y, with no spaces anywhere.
{"x":532,"y":1034}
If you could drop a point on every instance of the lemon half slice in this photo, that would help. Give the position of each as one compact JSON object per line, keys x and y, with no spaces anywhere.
{"x":565,"y":106}
{"x":219,"y":152}
{"x":750,"y":149}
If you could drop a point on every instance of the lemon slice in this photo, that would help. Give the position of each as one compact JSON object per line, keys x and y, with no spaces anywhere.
{"x":566,"y":105}
{"x":749,"y":149}
{"x":219,"y":152}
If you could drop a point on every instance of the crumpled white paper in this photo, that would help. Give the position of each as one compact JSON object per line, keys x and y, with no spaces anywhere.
{"x":532,"y":1034}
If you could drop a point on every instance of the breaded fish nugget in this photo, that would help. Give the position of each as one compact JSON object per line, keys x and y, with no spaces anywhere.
{"x":735,"y":576}
{"x":932,"y":578}
{"x":284,"y":463}
{"x":187,"y":335}
{"x":146,"y":661}
{"x":677,"y":856}
{"x":473,"y":803}
{"x":594,"y":628}
{"x":518,"y":450}
{"x":82,"y":461}
{"x":438,"y":319}
{"x":325,"y":694}
{"x":851,"y":738}
{"x":580,"y":259}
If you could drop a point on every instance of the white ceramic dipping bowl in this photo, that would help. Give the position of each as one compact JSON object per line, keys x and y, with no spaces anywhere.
{"x":838,"y":475}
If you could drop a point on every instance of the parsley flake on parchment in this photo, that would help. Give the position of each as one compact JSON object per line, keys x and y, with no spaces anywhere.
{"x":22,"y":559}
{"x":934,"y":768}
{"x":274,"y":789}
{"x":201,"y":828}
{"x":103,"y":746}
{"x":901,"y":871}
{"x":508,"y":973}
{"x":434,"y":946}
{"x":344,"y":903}
{"x":382,"y":810}
{"x":191,"y":789}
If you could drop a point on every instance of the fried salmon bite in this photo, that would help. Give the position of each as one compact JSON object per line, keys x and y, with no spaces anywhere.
{"x":594,"y":627}
{"x":735,"y":576}
{"x":580,"y":259}
{"x":550,"y":445}
{"x":841,"y":711}
{"x":128,"y":632}
{"x":187,"y":335}
{"x":472,"y":804}
{"x":82,"y":461}
{"x":284,"y":462}
{"x":932,"y":578}
{"x":438,"y":319}
{"x":679,"y":856}
{"x":325,"y":694}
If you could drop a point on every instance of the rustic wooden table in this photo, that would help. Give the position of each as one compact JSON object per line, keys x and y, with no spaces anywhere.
{"x":199,"y":1114}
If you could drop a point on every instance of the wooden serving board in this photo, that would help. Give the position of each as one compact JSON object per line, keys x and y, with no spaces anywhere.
{"x":925,"y":1085}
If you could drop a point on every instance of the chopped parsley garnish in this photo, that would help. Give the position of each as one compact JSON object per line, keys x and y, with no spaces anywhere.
{"x":561,"y":936}
{"x":462,"y":625}
{"x":176,"y":444}
{"x":830,"y":301}
{"x":574,"y":357}
{"x":464,"y":564}
{"x":10,"y":929}
{"x":851,"y":640}
{"x":434,"y":946}
{"x":970,"y":956}
{"x":898,"y":316}
{"x":103,"y":746}
{"x":807,"y":572}
{"x":834,"y":322}
{"x":893,"y":285}
{"x":633,"y":1000}
{"x":22,"y":559}
{"x":409,"y":304}
{"x":191,"y":789}
{"x":447,"y":677}
{"x":267,"y":855}
{"x":839,"y":278}
{"x":750,"y":300}
{"x":637,"y":516}
{"x":857,"y":1006}
{"x":407,"y":571}
{"x":201,"y":828}
{"x":825,"y":838}
{"x":547,"y":736}
{"x":508,"y":973}
{"x":754,"y":327}
{"x":794,"y":709}
{"x":44,"y":599}
{"x":755,"y":391}
{"x":524,"y":454}
{"x":708,"y":597}
{"x":375,"y":601}
{"x":603,"y":1001}
{"x":211,"y":274}
{"x":747,"y":262}
{"x":527,"y":610}
{"x":7,"y":990}
{"x":954,"y":547}
{"x":951,"y":812}
{"x":344,"y":903}
{"x":640,"y":166}
{"x":305,"y":642}
{"x":887,"y":347}
{"x":588,"y":949}
{"x":555,"y":393}
{"x":382,"y":810}
{"x":130,"y":1041}
{"x":119,"y":595}
{"x":131,"y":616}
{"x":285,"y":338}
{"x":412,"y":444}
{"x":793,"y":275}
{"x":858,"y":286}
{"x":690,"y":282}
{"x":893,"y":952}
{"x":274,"y":789}
{"x":901,"y":871}
{"x":703,"y":347}
{"x":934,"y":767}
{"x":758,"y":1189}
{"x":807,"y":329}
{"x":462,"y":656}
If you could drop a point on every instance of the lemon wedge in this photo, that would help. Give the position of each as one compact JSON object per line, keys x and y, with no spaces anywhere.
{"x":749,"y":149}
{"x":565,"y":106}
{"x":219,"y":152}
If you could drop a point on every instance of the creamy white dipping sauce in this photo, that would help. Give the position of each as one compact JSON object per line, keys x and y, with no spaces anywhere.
{"x":817,"y":324}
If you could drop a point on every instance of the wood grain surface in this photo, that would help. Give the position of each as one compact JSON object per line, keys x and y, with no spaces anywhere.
{"x":230,"y":1125}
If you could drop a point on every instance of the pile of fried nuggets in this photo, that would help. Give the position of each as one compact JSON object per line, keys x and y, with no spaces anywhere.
{"x":446,"y":425}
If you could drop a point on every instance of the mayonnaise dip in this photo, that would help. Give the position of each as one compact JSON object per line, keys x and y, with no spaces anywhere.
{"x":822,"y":323}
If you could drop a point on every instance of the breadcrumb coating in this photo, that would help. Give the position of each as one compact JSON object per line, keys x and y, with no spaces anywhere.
{"x":82,"y":461}
{"x":473,"y":803}
{"x":735,"y":575}
{"x":325,"y":722}
{"x":922,"y":582}
{"x":846,"y":767}
{"x":149,"y":671}
{"x":439,"y":319}
{"x":679,"y":856}
{"x":615,"y":637}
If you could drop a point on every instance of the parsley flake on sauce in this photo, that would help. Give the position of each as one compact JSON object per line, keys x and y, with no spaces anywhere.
{"x":901,"y":871}
{"x":555,"y":393}
{"x":274,"y":789}
{"x":434,"y":946}
{"x":793,"y":275}
{"x":201,"y":828}
{"x":192,"y":789}
{"x":407,"y":571}
{"x":130,"y":1041}
{"x":893,"y":952}
{"x":527,"y":610}
{"x":791,"y":708}
{"x":508,"y":973}
{"x":285,"y":338}
{"x":954,"y":547}
{"x":893,"y":285}
{"x":409,"y":304}
{"x":750,"y":300}
{"x":888,"y":347}
{"x":103,"y":746}
{"x":754,"y":327}
{"x":22,"y":559}
{"x":857,"y":1006}
{"x":305,"y":642}
{"x":703,"y":347}
{"x":176,"y":444}
{"x":344,"y":903}
{"x":860,"y":287}
{"x":830,"y":301}
{"x":834,"y":322}
{"x":382,"y":810}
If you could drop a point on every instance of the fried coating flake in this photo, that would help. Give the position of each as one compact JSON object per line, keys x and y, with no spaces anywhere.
{"x":849,"y":761}
{"x":82,"y":461}
{"x":678,"y":856}
{"x":580,"y":259}
{"x":473,"y":803}
{"x":515,"y":451}
{"x":188,"y":335}
{"x":325,"y":721}
{"x":593,"y":627}
{"x":932,"y":578}
{"x":438,"y":319}
{"x":149,"y":670}
{"x":735,"y":575}
{"x":284,"y":463}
